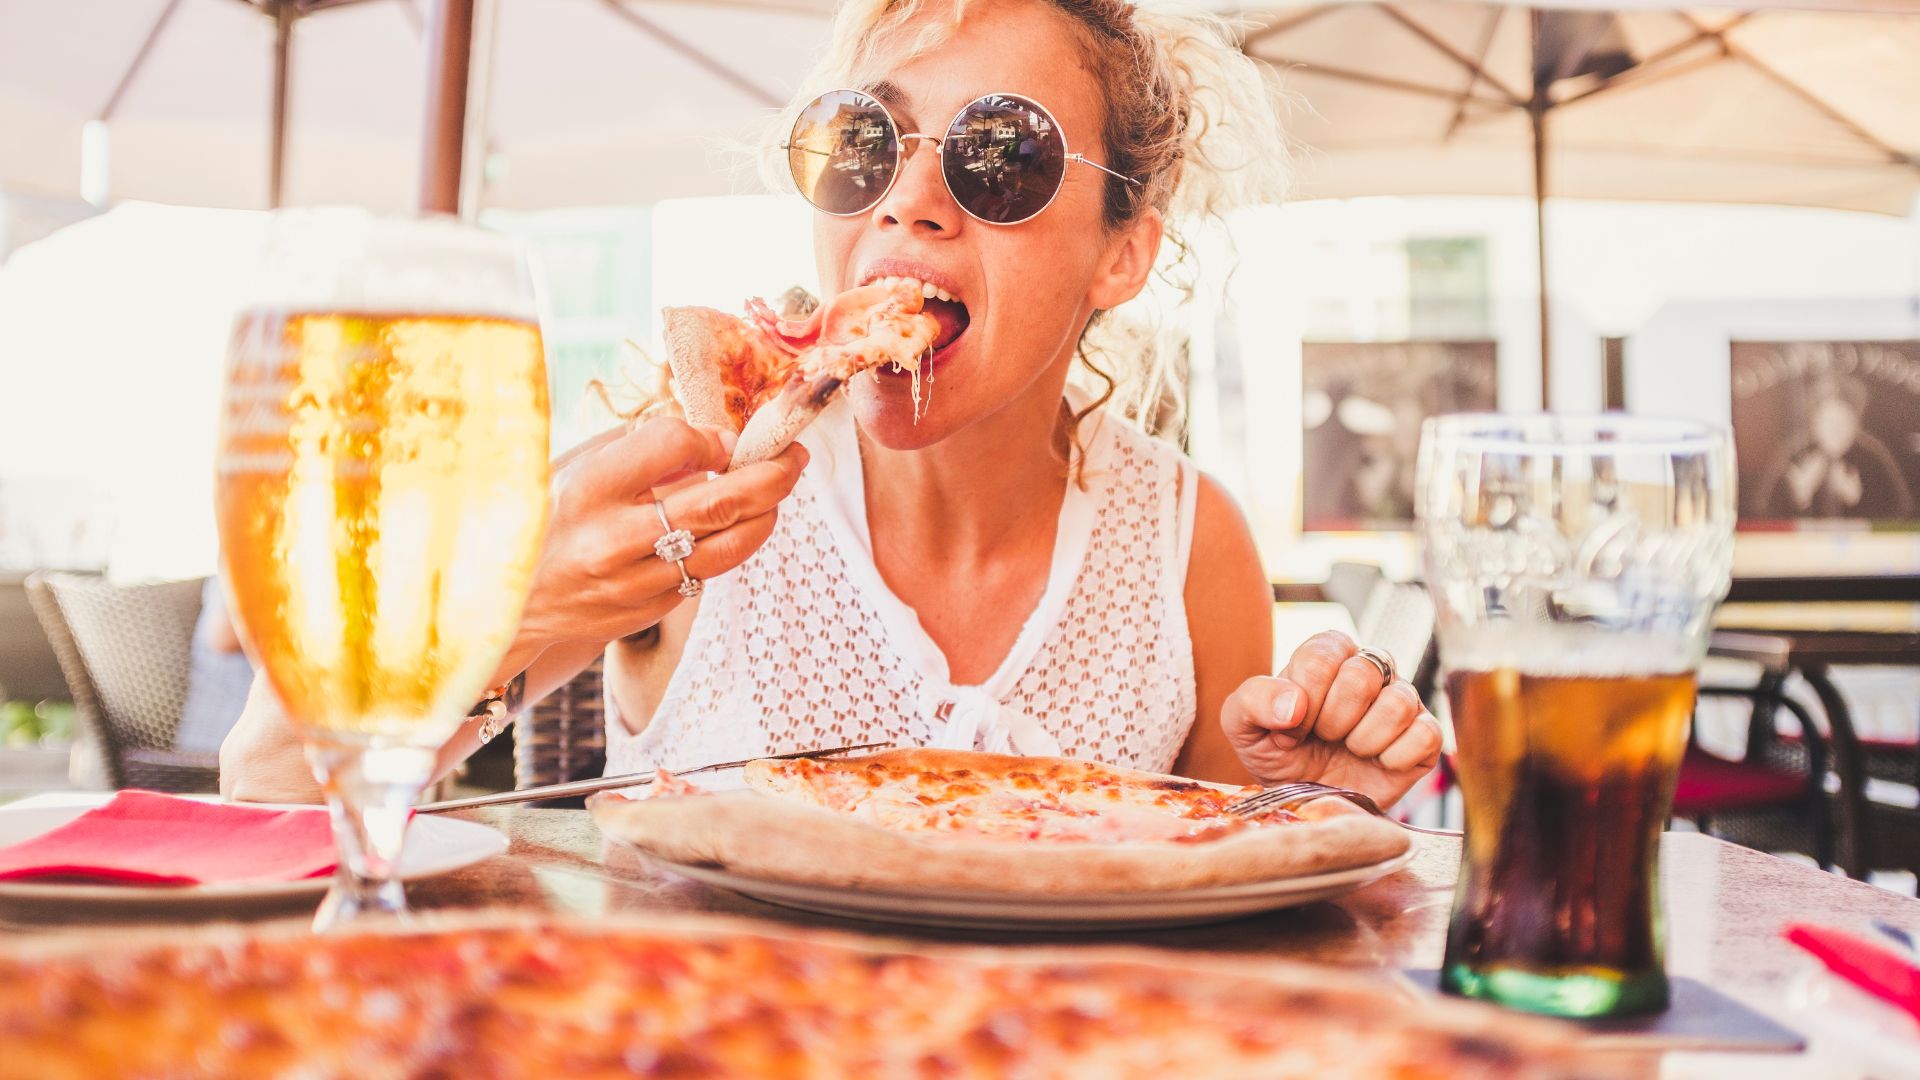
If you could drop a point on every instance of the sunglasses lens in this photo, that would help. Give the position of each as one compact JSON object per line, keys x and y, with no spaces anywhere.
{"x":1004,"y":158}
{"x":843,"y":152}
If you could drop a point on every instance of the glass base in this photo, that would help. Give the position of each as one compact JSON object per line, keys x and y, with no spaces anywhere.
{"x":370,"y":793}
{"x":1576,"y":994}
{"x":350,"y":898}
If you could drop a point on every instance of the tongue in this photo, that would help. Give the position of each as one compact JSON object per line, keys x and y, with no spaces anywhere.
{"x":952,"y":318}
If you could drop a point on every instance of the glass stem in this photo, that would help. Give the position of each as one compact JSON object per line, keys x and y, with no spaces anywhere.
{"x":370,"y":794}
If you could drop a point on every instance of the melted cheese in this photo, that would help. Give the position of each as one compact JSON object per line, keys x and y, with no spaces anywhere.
{"x":1020,"y":806}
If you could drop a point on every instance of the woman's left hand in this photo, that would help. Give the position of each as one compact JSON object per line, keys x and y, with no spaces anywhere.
{"x":1327,"y":717}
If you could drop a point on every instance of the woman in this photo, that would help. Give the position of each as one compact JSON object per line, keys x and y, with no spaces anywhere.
{"x":1000,"y":564}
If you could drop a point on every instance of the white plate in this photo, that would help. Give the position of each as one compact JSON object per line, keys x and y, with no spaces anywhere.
{"x":435,"y":845}
{"x":1005,"y":911}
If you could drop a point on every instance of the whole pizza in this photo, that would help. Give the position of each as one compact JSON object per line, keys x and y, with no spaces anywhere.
{"x":954,"y":820}
{"x":718,"y":999}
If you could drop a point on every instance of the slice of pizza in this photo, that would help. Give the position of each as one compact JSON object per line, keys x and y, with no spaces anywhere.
{"x":767,"y":375}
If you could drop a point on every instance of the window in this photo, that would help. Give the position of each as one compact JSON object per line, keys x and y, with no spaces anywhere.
{"x":1447,"y":288}
{"x":596,"y":287}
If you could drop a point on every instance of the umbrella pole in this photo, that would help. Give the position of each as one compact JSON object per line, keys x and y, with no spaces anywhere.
{"x":449,"y":60}
{"x":283,"y":16}
{"x":1538,"y":113}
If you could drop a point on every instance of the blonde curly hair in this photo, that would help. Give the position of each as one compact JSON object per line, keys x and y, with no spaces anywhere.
{"x":1189,"y":115}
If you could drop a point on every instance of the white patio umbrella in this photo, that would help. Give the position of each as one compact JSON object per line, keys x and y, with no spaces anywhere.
{"x":1807,"y":103}
{"x":577,"y":102}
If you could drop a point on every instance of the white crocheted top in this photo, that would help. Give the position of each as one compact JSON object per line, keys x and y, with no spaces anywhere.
{"x":804,"y":645}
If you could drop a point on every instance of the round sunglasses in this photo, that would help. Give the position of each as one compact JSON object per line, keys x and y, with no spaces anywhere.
{"x":1003,"y":157}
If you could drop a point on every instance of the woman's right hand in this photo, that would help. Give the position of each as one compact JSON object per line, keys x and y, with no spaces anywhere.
{"x":598,"y":577}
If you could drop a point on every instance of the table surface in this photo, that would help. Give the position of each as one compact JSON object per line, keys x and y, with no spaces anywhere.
{"x":1726,"y":905}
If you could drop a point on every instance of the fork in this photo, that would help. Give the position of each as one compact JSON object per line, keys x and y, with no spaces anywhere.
{"x":1298,"y":792}
{"x":1289,"y":795}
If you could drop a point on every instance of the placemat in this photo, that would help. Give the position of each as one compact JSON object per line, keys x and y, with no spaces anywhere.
{"x":1699,"y":1019}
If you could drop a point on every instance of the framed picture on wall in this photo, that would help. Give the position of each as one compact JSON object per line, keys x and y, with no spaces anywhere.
{"x":1361,"y":407}
{"x":1827,"y":432}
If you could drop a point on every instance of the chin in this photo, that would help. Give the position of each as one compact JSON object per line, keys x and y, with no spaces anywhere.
{"x":883,"y":407}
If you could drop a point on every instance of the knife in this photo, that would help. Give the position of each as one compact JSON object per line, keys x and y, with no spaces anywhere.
{"x":1900,"y":937}
{"x":608,"y":783}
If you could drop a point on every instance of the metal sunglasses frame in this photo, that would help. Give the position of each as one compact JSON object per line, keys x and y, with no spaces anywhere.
{"x":940,"y":147}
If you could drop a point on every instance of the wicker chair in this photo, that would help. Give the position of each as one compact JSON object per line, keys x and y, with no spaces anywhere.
{"x":563,"y":736}
{"x":125,"y":652}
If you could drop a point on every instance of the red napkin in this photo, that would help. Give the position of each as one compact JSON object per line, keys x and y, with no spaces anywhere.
{"x":143,"y":836}
{"x":1881,"y":972}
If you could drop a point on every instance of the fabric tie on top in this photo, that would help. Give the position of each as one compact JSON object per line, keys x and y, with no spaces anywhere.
{"x":967,"y":716}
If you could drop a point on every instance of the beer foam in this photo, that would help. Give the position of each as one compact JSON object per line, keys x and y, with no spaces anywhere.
{"x":340,"y":259}
{"x":1569,"y":650}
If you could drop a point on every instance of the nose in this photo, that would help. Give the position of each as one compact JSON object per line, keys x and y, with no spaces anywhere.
{"x":919,"y":200}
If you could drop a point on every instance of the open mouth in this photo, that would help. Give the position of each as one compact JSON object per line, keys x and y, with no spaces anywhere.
{"x":945,"y":308}
{"x":952,"y":317}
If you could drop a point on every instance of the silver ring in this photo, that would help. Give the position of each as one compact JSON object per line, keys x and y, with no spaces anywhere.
{"x":1379,"y":660}
{"x":493,"y":722}
{"x":676,"y":546}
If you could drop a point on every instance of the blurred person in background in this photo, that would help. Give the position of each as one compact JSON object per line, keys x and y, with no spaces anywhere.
{"x":218,"y":675}
{"x":1839,"y":469}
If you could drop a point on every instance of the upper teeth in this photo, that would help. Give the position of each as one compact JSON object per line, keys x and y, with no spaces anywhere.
{"x":928,"y":289}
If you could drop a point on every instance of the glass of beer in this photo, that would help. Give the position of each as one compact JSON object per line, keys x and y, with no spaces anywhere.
{"x":382,"y":495}
{"x":1575,"y":564}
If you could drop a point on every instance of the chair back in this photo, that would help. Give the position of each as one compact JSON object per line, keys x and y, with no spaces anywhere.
{"x":1396,"y":617}
{"x":1399,"y":618}
{"x":28,"y":668}
{"x":125,"y":651}
{"x":1352,"y":584}
{"x":563,"y":736}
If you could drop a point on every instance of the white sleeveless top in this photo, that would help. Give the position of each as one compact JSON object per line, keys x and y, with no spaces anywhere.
{"x":805,"y":646}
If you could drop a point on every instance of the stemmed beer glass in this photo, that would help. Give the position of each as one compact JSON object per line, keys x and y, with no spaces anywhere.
{"x":382,"y":493}
{"x":1576,"y":564}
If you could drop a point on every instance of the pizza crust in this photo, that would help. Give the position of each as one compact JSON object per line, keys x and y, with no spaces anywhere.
{"x":694,"y":349}
{"x":779,"y":422}
{"x":786,"y":839}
